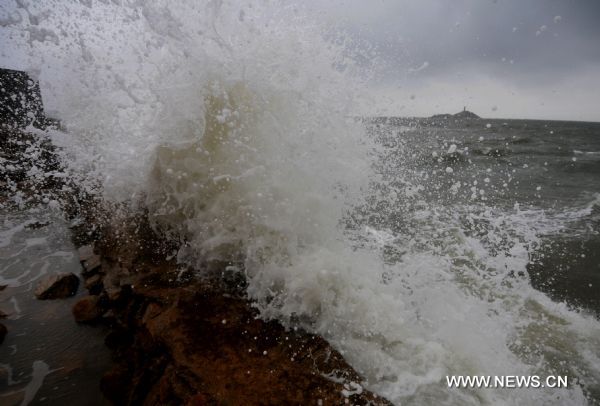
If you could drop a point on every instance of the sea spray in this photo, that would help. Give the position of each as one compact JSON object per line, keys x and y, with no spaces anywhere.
{"x":232,"y":123}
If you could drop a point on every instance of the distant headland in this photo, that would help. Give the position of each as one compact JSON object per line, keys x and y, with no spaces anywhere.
{"x":463,"y":115}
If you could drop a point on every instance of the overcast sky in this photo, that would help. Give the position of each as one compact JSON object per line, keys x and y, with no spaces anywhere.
{"x":500,"y":58}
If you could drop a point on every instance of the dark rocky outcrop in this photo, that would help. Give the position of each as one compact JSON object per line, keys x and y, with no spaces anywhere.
{"x":21,"y":101}
{"x":466,"y":115}
{"x":30,"y":172}
{"x":57,"y":286}
{"x":181,"y":338}
{"x":463,"y":115}
{"x":200,"y":346}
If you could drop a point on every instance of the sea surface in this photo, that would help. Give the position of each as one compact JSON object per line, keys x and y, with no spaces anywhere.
{"x":548,"y":172}
{"x":46,"y":358}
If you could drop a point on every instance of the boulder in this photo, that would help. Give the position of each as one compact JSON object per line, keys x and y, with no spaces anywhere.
{"x":94,"y":284}
{"x":91,"y":265}
{"x":85,"y":252}
{"x":87,"y":309}
{"x":57,"y":286}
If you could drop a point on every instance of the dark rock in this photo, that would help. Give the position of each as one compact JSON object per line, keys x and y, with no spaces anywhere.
{"x":200,"y":346}
{"x":87,"y":309}
{"x":113,"y":293}
{"x":94,"y":284}
{"x":118,"y":337}
{"x":114,"y":383}
{"x":109,"y":317}
{"x":37,"y":225}
{"x":91,"y":265}
{"x":3,"y":332}
{"x":57,"y":286}
{"x":20,"y":100}
{"x":463,"y":115}
{"x":85,"y":252}
{"x":466,"y":115}
{"x":3,"y":315}
{"x":198,"y":340}
{"x":27,"y":152}
{"x":444,"y":116}
{"x":2,"y":287}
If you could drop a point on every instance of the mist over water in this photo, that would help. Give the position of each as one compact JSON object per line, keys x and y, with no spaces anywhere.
{"x":232,"y":123}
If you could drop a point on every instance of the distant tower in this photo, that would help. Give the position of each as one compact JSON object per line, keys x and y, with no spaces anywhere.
{"x":465,"y":108}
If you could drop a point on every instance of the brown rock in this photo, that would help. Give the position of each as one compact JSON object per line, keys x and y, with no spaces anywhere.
{"x":109,"y":316}
{"x":118,"y":337}
{"x":94,"y":284}
{"x":3,"y":332}
{"x":113,"y":293}
{"x":87,"y":309}
{"x":200,"y":346}
{"x":85,"y":252}
{"x":91,"y":265}
{"x":197,"y":341}
{"x":57,"y":286}
{"x":114,"y":383}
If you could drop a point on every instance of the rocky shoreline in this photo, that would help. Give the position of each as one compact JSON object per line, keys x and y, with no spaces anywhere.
{"x":182,"y":338}
{"x":178,"y":335}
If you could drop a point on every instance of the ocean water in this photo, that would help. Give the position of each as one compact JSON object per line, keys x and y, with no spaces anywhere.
{"x":417,"y":249}
{"x":46,"y":358}
{"x":545,"y":170}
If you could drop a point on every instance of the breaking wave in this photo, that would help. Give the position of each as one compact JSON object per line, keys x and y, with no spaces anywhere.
{"x":232,"y":123}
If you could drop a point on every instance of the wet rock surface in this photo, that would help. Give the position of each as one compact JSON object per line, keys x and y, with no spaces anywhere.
{"x":57,"y":286}
{"x":87,"y":309}
{"x":179,"y":338}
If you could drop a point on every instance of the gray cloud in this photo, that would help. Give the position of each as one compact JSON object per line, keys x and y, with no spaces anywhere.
{"x":446,"y":33}
{"x":536,"y":46}
{"x":528,"y":58}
